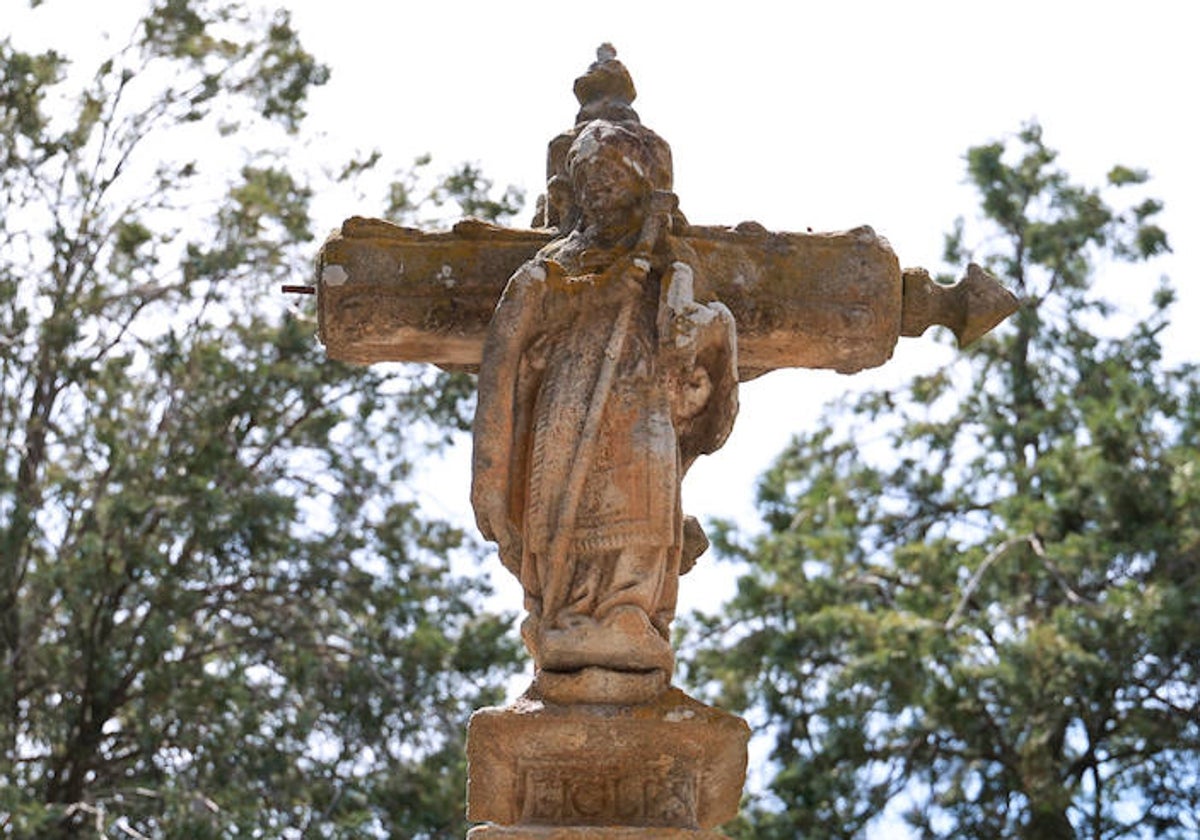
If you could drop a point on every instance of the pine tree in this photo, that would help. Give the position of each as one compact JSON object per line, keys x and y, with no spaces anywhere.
{"x":975,"y":599}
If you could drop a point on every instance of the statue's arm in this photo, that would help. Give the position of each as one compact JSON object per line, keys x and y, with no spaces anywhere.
{"x":700,"y":340}
{"x":497,"y":410}
{"x":723,"y":337}
{"x":716,"y":361}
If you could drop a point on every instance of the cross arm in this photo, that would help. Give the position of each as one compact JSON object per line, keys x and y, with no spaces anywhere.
{"x":387,"y":293}
{"x":820,"y":300}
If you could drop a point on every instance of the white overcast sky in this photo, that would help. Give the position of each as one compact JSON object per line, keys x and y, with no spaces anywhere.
{"x":808,"y":114}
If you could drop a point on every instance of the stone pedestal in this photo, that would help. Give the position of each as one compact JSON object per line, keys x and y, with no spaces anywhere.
{"x":671,"y":769}
{"x":498,"y":832}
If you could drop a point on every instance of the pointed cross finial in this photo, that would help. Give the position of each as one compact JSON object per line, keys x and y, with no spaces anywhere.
{"x":970,"y":308}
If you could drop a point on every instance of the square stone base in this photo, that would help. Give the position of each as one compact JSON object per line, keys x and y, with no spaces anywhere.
{"x":668,"y":770}
{"x":499,"y":832}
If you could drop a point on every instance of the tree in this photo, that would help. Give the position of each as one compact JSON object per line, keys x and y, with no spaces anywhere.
{"x":220,"y":610}
{"x":974,"y":599}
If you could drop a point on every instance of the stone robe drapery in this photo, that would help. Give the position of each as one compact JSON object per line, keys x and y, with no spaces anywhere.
{"x":543,"y":357}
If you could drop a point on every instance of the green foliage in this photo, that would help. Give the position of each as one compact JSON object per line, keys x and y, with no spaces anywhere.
{"x":465,"y":189}
{"x":974,"y":601}
{"x":219,"y":614}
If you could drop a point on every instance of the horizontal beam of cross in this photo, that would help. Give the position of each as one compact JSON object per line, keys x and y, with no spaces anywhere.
{"x":816,"y":300}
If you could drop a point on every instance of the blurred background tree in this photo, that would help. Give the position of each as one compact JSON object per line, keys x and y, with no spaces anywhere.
{"x":221,"y":610}
{"x":975,"y":597}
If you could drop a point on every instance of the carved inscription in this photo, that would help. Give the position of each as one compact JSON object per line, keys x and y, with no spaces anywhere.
{"x":567,"y":791}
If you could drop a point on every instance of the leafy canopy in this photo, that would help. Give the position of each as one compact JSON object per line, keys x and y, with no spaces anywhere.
{"x":973,"y":601}
{"x":221,"y":611}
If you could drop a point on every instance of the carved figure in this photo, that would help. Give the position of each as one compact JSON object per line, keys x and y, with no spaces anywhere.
{"x":602,"y":379}
{"x":608,"y":362}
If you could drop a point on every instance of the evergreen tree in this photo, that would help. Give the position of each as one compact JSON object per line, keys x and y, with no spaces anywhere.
{"x":976,"y":596}
{"x":220,"y":611}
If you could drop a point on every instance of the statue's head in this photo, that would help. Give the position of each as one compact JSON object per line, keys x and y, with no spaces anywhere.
{"x":614,"y":167}
{"x":609,"y":162}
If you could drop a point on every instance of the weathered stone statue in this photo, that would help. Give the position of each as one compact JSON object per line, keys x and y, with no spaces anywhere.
{"x":608,"y":360}
{"x":602,"y":380}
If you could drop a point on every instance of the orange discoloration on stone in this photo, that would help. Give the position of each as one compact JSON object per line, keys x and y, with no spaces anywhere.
{"x":609,"y":344}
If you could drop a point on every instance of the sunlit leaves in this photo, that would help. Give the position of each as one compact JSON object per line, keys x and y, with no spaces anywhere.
{"x":221,"y":611}
{"x":976,"y":592}
{"x":269,"y":196}
{"x":25,"y":79}
{"x":183,"y":29}
{"x":1119,"y":176}
{"x":23,"y":85}
{"x":467,"y":187}
{"x":464,"y":191}
{"x":287,"y":73}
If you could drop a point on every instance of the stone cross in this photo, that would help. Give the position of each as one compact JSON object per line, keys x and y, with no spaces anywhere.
{"x":609,"y":341}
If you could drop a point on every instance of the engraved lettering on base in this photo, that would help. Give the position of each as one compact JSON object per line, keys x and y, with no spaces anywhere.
{"x":565,"y":791}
